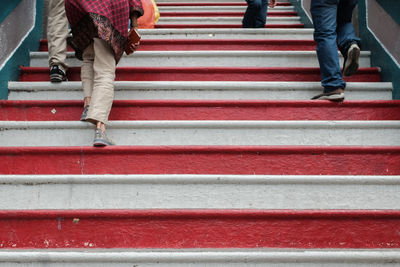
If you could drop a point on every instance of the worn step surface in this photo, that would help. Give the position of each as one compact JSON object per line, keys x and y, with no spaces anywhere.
{"x":168,"y":2}
{"x":183,"y":10}
{"x":216,"y":44}
{"x":199,"y":257}
{"x":214,"y":3}
{"x":284,"y":12}
{"x":202,"y":58}
{"x":276,"y":160}
{"x":199,"y":90}
{"x":235,"y":25}
{"x":237,"y":33}
{"x":177,"y":133}
{"x":217,"y":20}
{"x":205,"y":1}
{"x":199,"y":192}
{"x":70,"y":110}
{"x":239,"y":74}
{"x":224,"y":13}
{"x":227,"y":33}
{"x":173,"y":229}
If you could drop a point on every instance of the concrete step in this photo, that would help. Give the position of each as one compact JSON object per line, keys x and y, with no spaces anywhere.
{"x":216,"y":44}
{"x":218,"y":9}
{"x":207,"y":133}
{"x":255,"y":160}
{"x":210,"y":2}
{"x":222,"y":20}
{"x":215,"y":3}
{"x":199,"y":90}
{"x":70,"y":110}
{"x":208,"y":257}
{"x":222,"y":12}
{"x":207,"y":1}
{"x":190,"y":229}
{"x":198,"y":192}
{"x":249,"y":74}
{"x":235,"y":33}
{"x":225,"y":26}
{"x":202,"y":59}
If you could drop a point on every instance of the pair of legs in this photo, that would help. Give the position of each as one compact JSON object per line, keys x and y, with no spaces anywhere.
{"x":333,"y":29}
{"x":57,"y":33}
{"x":98,"y":74}
{"x":256,"y":14}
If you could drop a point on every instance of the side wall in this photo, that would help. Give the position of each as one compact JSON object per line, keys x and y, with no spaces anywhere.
{"x":380,"y":33}
{"x":378,"y":26}
{"x":302,"y":7}
{"x":20,"y":32}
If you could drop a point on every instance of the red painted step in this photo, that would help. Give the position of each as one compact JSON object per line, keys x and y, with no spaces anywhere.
{"x":224,"y":14}
{"x":193,"y":44}
{"x":211,"y":26}
{"x":275,"y":160}
{"x":205,"y":74}
{"x":68,"y":110}
{"x":215,"y":4}
{"x":306,"y":229}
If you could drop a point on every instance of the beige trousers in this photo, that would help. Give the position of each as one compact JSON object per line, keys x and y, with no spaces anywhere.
{"x":57,"y":33}
{"x":98,"y":74}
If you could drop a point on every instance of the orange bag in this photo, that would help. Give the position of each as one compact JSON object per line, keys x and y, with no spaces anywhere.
{"x":150,"y":16}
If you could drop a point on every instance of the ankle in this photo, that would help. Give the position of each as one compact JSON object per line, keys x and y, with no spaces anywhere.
{"x":86,"y":101}
{"x":101,"y":126}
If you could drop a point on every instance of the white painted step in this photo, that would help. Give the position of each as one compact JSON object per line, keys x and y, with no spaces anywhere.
{"x":223,"y":20}
{"x":199,"y":90}
{"x":239,"y":33}
{"x":155,"y":133}
{"x":209,"y":59}
{"x":198,"y":192}
{"x":201,"y":257}
{"x":183,"y":9}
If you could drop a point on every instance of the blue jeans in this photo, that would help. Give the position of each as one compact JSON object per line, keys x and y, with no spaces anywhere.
{"x":333,"y":29}
{"x":256,"y":14}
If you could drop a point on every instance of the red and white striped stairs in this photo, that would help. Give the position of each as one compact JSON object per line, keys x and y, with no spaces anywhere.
{"x":221,"y":158}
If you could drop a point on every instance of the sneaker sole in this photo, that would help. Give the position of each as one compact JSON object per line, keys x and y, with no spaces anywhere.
{"x":100,"y":143}
{"x":351,"y":65}
{"x":335,"y":97}
{"x":57,"y":78}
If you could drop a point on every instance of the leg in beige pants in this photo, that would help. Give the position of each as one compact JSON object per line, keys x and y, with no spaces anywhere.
{"x":57,"y":33}
{"x":98,"y":74}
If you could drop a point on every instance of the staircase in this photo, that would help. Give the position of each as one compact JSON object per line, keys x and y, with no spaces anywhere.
{"x":221,"y":158}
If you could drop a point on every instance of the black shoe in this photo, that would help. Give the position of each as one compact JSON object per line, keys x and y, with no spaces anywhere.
{"x":57,"y":75}
{"x":350,"y":65}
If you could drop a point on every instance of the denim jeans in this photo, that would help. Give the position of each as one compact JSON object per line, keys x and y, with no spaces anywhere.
{"x":333,"y":29}
{"x":256,"y":14}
